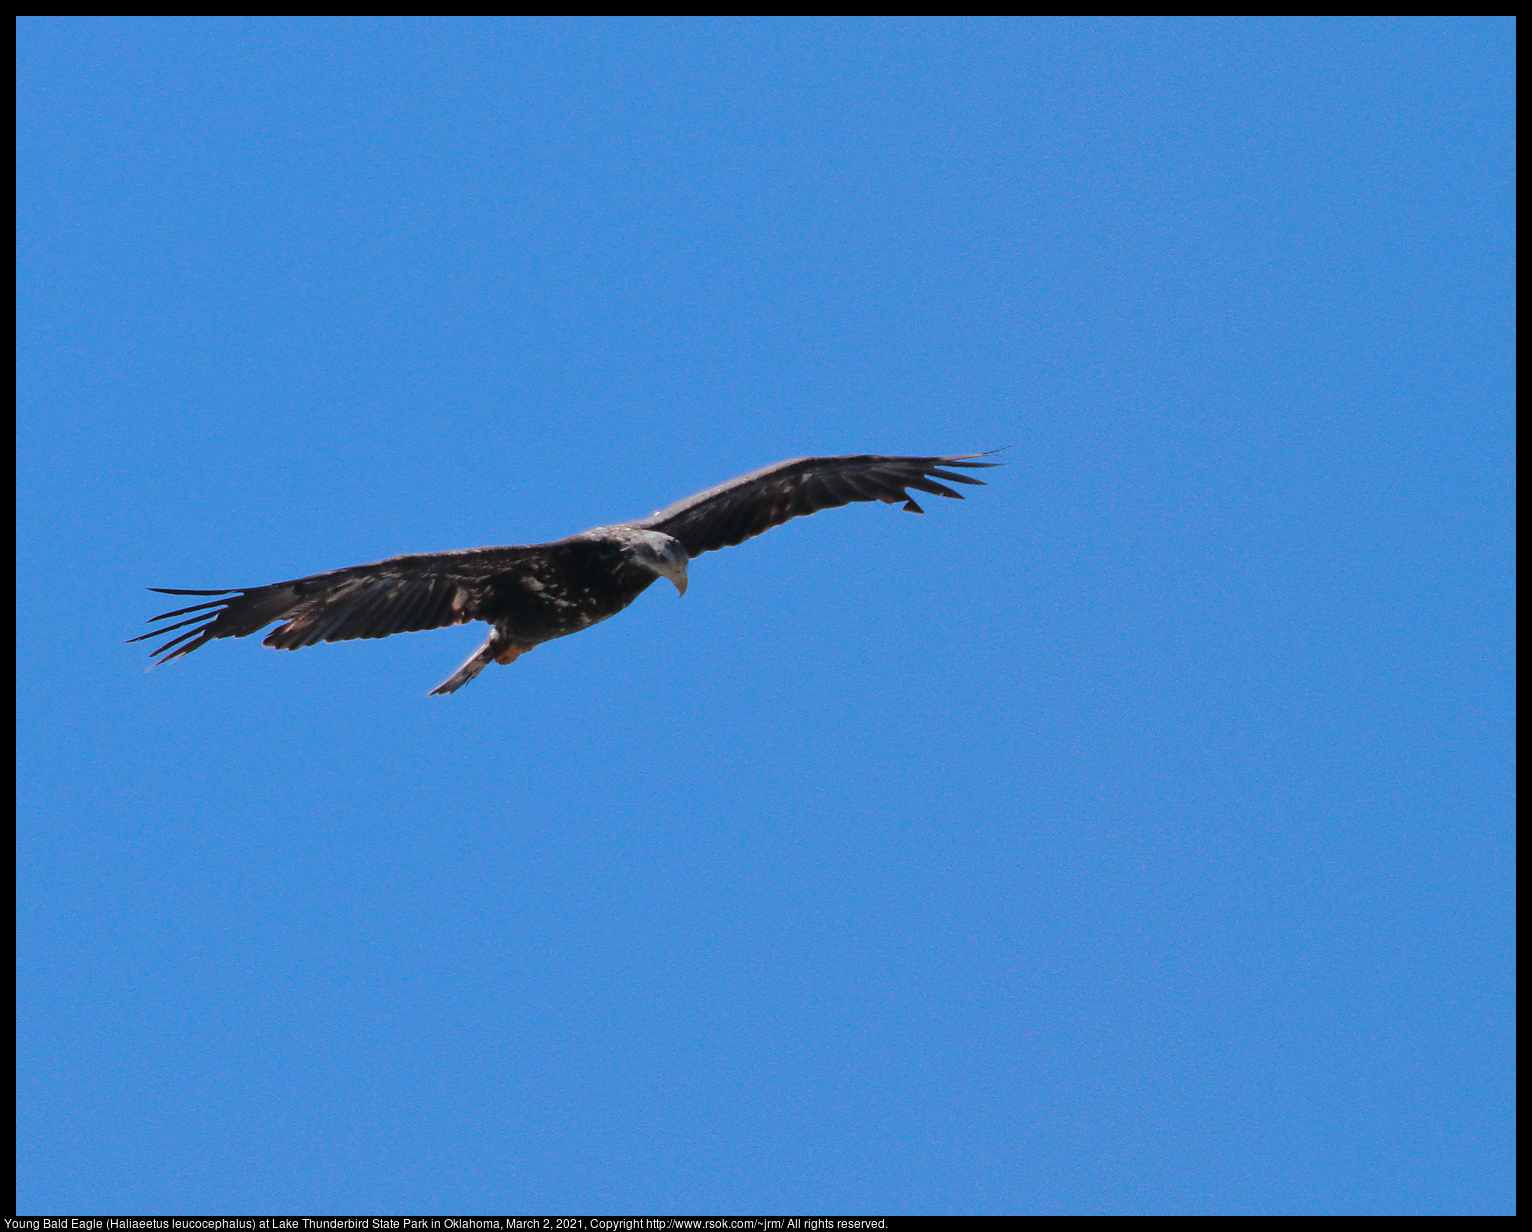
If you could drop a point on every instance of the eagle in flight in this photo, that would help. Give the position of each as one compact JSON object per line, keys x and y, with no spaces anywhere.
{"x":540,"y":591}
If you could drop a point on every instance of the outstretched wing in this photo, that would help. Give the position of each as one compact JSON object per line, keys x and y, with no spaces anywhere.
{"x":400,"y":595}
{"x":745,"y":507}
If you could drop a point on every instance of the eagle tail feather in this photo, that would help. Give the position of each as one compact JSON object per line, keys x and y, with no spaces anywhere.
{"x":472,"y":666}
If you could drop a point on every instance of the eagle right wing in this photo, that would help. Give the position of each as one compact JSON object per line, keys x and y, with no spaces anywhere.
{"x":400,"y":595}
{"x":752,"y":504}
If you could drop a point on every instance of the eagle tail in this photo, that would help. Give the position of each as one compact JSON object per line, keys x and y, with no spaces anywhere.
{"x":497,"y":648}
{"x":472,"y":666}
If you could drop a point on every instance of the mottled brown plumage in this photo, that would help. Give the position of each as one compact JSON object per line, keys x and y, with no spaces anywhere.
{"x":534,"y":593}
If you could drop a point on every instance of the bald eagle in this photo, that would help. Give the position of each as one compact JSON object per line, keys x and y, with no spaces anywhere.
{"x":537,"y":592}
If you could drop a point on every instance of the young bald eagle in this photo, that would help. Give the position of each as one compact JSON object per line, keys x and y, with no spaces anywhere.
{"x":533,"y":594}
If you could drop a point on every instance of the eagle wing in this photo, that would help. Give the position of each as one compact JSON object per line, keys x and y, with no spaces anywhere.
{"x":745,"y":507}
{"x":400,"y":595}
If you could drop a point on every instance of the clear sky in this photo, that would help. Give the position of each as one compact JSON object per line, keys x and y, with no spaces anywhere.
{"x":1132,"y":837}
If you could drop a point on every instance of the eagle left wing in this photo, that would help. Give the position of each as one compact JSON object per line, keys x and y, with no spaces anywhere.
{"x":399,"y":595}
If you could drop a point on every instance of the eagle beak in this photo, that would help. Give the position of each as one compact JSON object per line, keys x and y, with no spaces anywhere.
{"x":680,"y":583}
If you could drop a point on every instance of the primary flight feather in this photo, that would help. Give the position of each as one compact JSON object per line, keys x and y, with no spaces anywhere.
{"x":537,"y":592}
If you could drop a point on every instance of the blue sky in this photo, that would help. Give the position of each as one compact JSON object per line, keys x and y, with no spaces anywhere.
{"x":1133,"y":837}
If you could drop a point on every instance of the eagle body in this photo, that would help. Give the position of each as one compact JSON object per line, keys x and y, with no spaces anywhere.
{"x":533,"y":593}
{"x":555,"y":589}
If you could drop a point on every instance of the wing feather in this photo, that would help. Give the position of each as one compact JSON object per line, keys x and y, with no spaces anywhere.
{"x":931,"y":486}
{"x":411,"y":608}
{"x":392,"y":611}
{"x":754,"y":503}
{"x":864,"y":487}
{"x":175,"y":641}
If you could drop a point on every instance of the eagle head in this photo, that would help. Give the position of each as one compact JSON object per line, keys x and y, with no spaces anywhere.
{"x":651,"y":550}
{"x":666,"y":557}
